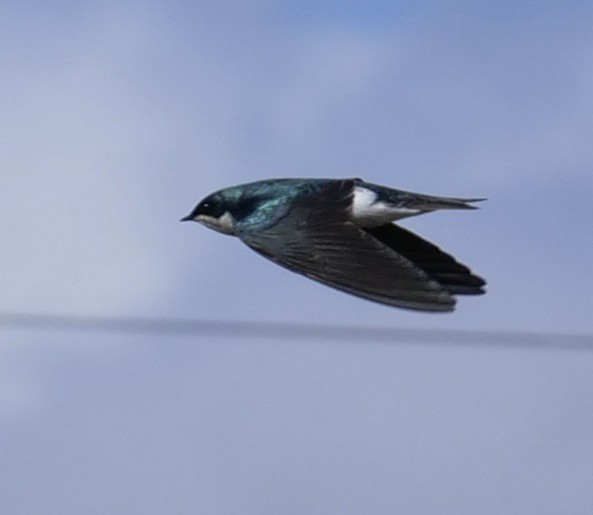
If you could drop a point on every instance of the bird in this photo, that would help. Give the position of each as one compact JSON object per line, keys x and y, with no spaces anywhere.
{"x":342,"y":233}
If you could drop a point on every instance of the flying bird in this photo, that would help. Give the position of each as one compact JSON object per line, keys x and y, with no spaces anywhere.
{"x":341,"y":233}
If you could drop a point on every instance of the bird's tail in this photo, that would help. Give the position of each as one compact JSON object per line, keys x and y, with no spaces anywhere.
{"x":418,"y":201}
{"x":432,"y":203}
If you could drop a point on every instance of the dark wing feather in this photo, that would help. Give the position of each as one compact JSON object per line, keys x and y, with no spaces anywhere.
{"x":316,"y":239}
{"x":442,"y":267}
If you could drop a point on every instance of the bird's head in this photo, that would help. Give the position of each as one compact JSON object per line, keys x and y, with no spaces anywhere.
{"x":213,"y":212}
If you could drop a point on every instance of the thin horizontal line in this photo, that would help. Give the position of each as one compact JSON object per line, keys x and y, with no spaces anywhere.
{"x":292,"y":331}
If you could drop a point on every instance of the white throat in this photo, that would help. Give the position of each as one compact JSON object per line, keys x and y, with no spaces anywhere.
{"x":223,"y":224}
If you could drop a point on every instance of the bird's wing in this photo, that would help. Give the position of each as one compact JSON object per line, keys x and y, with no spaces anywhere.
{"x":455,"y":277}
{"x":315,"y":238}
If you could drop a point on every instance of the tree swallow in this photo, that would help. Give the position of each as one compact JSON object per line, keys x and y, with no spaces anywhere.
{"x":341,"y":233}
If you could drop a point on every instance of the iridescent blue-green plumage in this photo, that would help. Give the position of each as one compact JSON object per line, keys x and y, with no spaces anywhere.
{"x":260,"y":204}
{"x":339,"y":232}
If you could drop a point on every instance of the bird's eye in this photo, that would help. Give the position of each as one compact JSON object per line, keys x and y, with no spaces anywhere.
{"x":211,"y":207}
{"x":205,"y":208}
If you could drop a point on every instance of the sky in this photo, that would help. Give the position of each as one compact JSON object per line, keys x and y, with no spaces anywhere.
{"x":118,"y":117}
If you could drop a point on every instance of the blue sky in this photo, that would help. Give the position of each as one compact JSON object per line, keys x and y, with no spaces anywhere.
{"x":118,"y":117}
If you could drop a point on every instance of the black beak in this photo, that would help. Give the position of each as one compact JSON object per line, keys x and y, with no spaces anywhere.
{"x":187,"y":218}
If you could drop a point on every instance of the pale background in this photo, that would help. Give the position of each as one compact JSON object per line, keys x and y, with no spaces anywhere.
{"x":118,"y":117}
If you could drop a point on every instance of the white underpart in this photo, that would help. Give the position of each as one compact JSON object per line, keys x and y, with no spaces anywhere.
{"x":223,"y":224}
{"x":368,"y":212}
